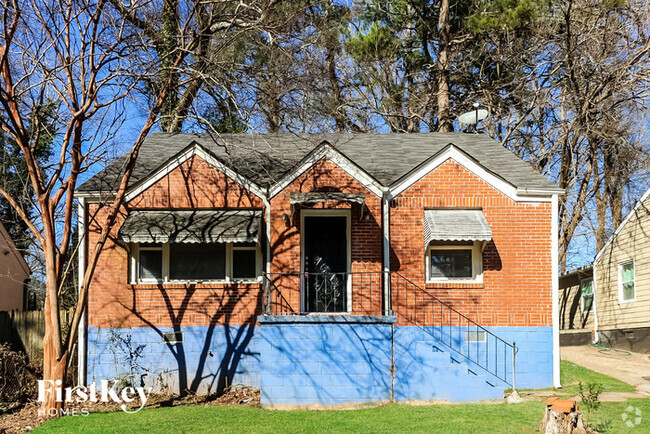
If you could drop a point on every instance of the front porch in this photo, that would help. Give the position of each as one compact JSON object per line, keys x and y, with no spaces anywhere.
{"x":389,"y":340}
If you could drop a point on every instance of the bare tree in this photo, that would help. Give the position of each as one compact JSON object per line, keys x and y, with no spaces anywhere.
{"x":77,"y":55}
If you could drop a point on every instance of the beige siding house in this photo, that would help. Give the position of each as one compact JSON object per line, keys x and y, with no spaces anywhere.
{"x":14,"y":274}
{"x":622,"y":282}
{"x":576,"y":307}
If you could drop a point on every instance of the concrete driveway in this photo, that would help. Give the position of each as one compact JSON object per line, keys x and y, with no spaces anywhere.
{"x":633,"y":369}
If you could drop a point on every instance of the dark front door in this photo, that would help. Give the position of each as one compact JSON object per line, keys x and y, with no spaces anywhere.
{"x":326,"y":263}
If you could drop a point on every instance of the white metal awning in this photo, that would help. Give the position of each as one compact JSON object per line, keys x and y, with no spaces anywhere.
{"x":455,"y":225}
{"x":214,"y":226}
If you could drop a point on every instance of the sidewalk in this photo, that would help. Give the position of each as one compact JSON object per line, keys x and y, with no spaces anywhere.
{"x":633,"y":369}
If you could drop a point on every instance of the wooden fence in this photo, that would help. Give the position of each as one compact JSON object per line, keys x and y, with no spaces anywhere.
{"x":24,"y":331}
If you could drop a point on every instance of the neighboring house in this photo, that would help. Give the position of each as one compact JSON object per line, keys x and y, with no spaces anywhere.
{"x":14,"y":274}
{"x":622,"y":271}
{"x":577,"y":307}
{"x":325,"y":269}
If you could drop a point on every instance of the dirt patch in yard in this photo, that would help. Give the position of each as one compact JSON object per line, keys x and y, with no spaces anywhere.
{"x":22,"y":419}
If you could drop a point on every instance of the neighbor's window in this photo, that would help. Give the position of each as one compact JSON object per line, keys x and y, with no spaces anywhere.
{"x":587,"y":295}
{"x":195,"y":262}
{"x":626,"y":281}
{"x":453,"y":261}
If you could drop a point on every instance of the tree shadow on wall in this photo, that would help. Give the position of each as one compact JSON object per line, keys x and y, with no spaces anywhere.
{"x":218,"y":306}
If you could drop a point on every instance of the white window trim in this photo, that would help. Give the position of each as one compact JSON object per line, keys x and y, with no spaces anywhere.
{"x":477,"y":263}
{"x":134,"y":261}
{"x":582,"y":299}
{"x":621,"y":300}
{"x":326,"y":213}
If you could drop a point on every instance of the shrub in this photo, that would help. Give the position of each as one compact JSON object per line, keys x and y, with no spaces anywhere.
{"x":18,"y":381}
{"x":589,"y":394}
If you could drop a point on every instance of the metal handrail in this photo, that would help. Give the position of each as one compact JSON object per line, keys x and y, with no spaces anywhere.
{"x":445,"y":314}
{"x":439,"y":314}
{"x":371,"y":281}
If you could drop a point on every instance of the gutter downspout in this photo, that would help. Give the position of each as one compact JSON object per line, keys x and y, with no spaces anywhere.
{"x":385,"y":208}
{"x":82,"y":335}
{"x":594,"y":304}
{"x":267,"y":205}
{"x":555,"y":290}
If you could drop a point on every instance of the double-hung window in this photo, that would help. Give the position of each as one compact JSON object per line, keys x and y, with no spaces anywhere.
{"x":626,"y":291}
{"x":454,"y":262}
{"x":150,"y":264}
{"x":586,"y":295}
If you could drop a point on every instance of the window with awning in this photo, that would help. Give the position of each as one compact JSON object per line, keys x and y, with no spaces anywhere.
{"x":455,"y":225}
{"x":206,"y":245}
{"x":453,"y":242}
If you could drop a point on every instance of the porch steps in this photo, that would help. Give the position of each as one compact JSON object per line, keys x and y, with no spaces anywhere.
{"x":433,"y":372}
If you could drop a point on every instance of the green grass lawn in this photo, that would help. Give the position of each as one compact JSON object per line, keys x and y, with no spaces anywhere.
{"x":390,"y":418}
{"x":456,"y":418}
{"x":571,"y":374}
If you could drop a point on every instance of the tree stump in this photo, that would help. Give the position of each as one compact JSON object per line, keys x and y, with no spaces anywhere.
{"x":563,"y":417}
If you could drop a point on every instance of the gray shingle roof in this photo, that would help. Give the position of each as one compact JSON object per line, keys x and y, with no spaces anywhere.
{"x":265,"y":158}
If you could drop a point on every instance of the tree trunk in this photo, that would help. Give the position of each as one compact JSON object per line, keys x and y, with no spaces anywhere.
{"x":54,"y":371}
{"x":444,"y":119}
{"x":55,"y":361}
{"x":55,"y":358}
{"x":167,"y":51}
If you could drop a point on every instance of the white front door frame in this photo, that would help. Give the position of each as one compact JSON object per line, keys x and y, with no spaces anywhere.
{"x":347,"y":213}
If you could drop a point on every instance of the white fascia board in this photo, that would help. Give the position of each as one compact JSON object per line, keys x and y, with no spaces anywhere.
{"x":92,"y":196}
{"x":461,"y":158}
{"x":620,"y":227}
{"x":337,"y":158}
{"x":185,"y":156}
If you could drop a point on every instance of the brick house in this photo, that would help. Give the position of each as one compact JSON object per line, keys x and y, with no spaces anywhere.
{"x":326,"y":269}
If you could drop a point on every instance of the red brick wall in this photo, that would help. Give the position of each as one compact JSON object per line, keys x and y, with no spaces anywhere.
{"x":516,"y":288}
{"x":114,"y":302}
{"x":366,"y":234}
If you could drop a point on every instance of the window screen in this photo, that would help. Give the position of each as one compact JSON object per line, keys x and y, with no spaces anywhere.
{"x":587,"y":289}
{"x":627,"y":280}
{"x":451,"y":263}
{"x":197,"y":261}
{"x":150,"y":264}
{"x":243,"y":264}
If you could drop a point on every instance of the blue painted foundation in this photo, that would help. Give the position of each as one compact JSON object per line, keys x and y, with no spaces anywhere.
{"x":325,"y":360}
{"x":208,"y":360}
